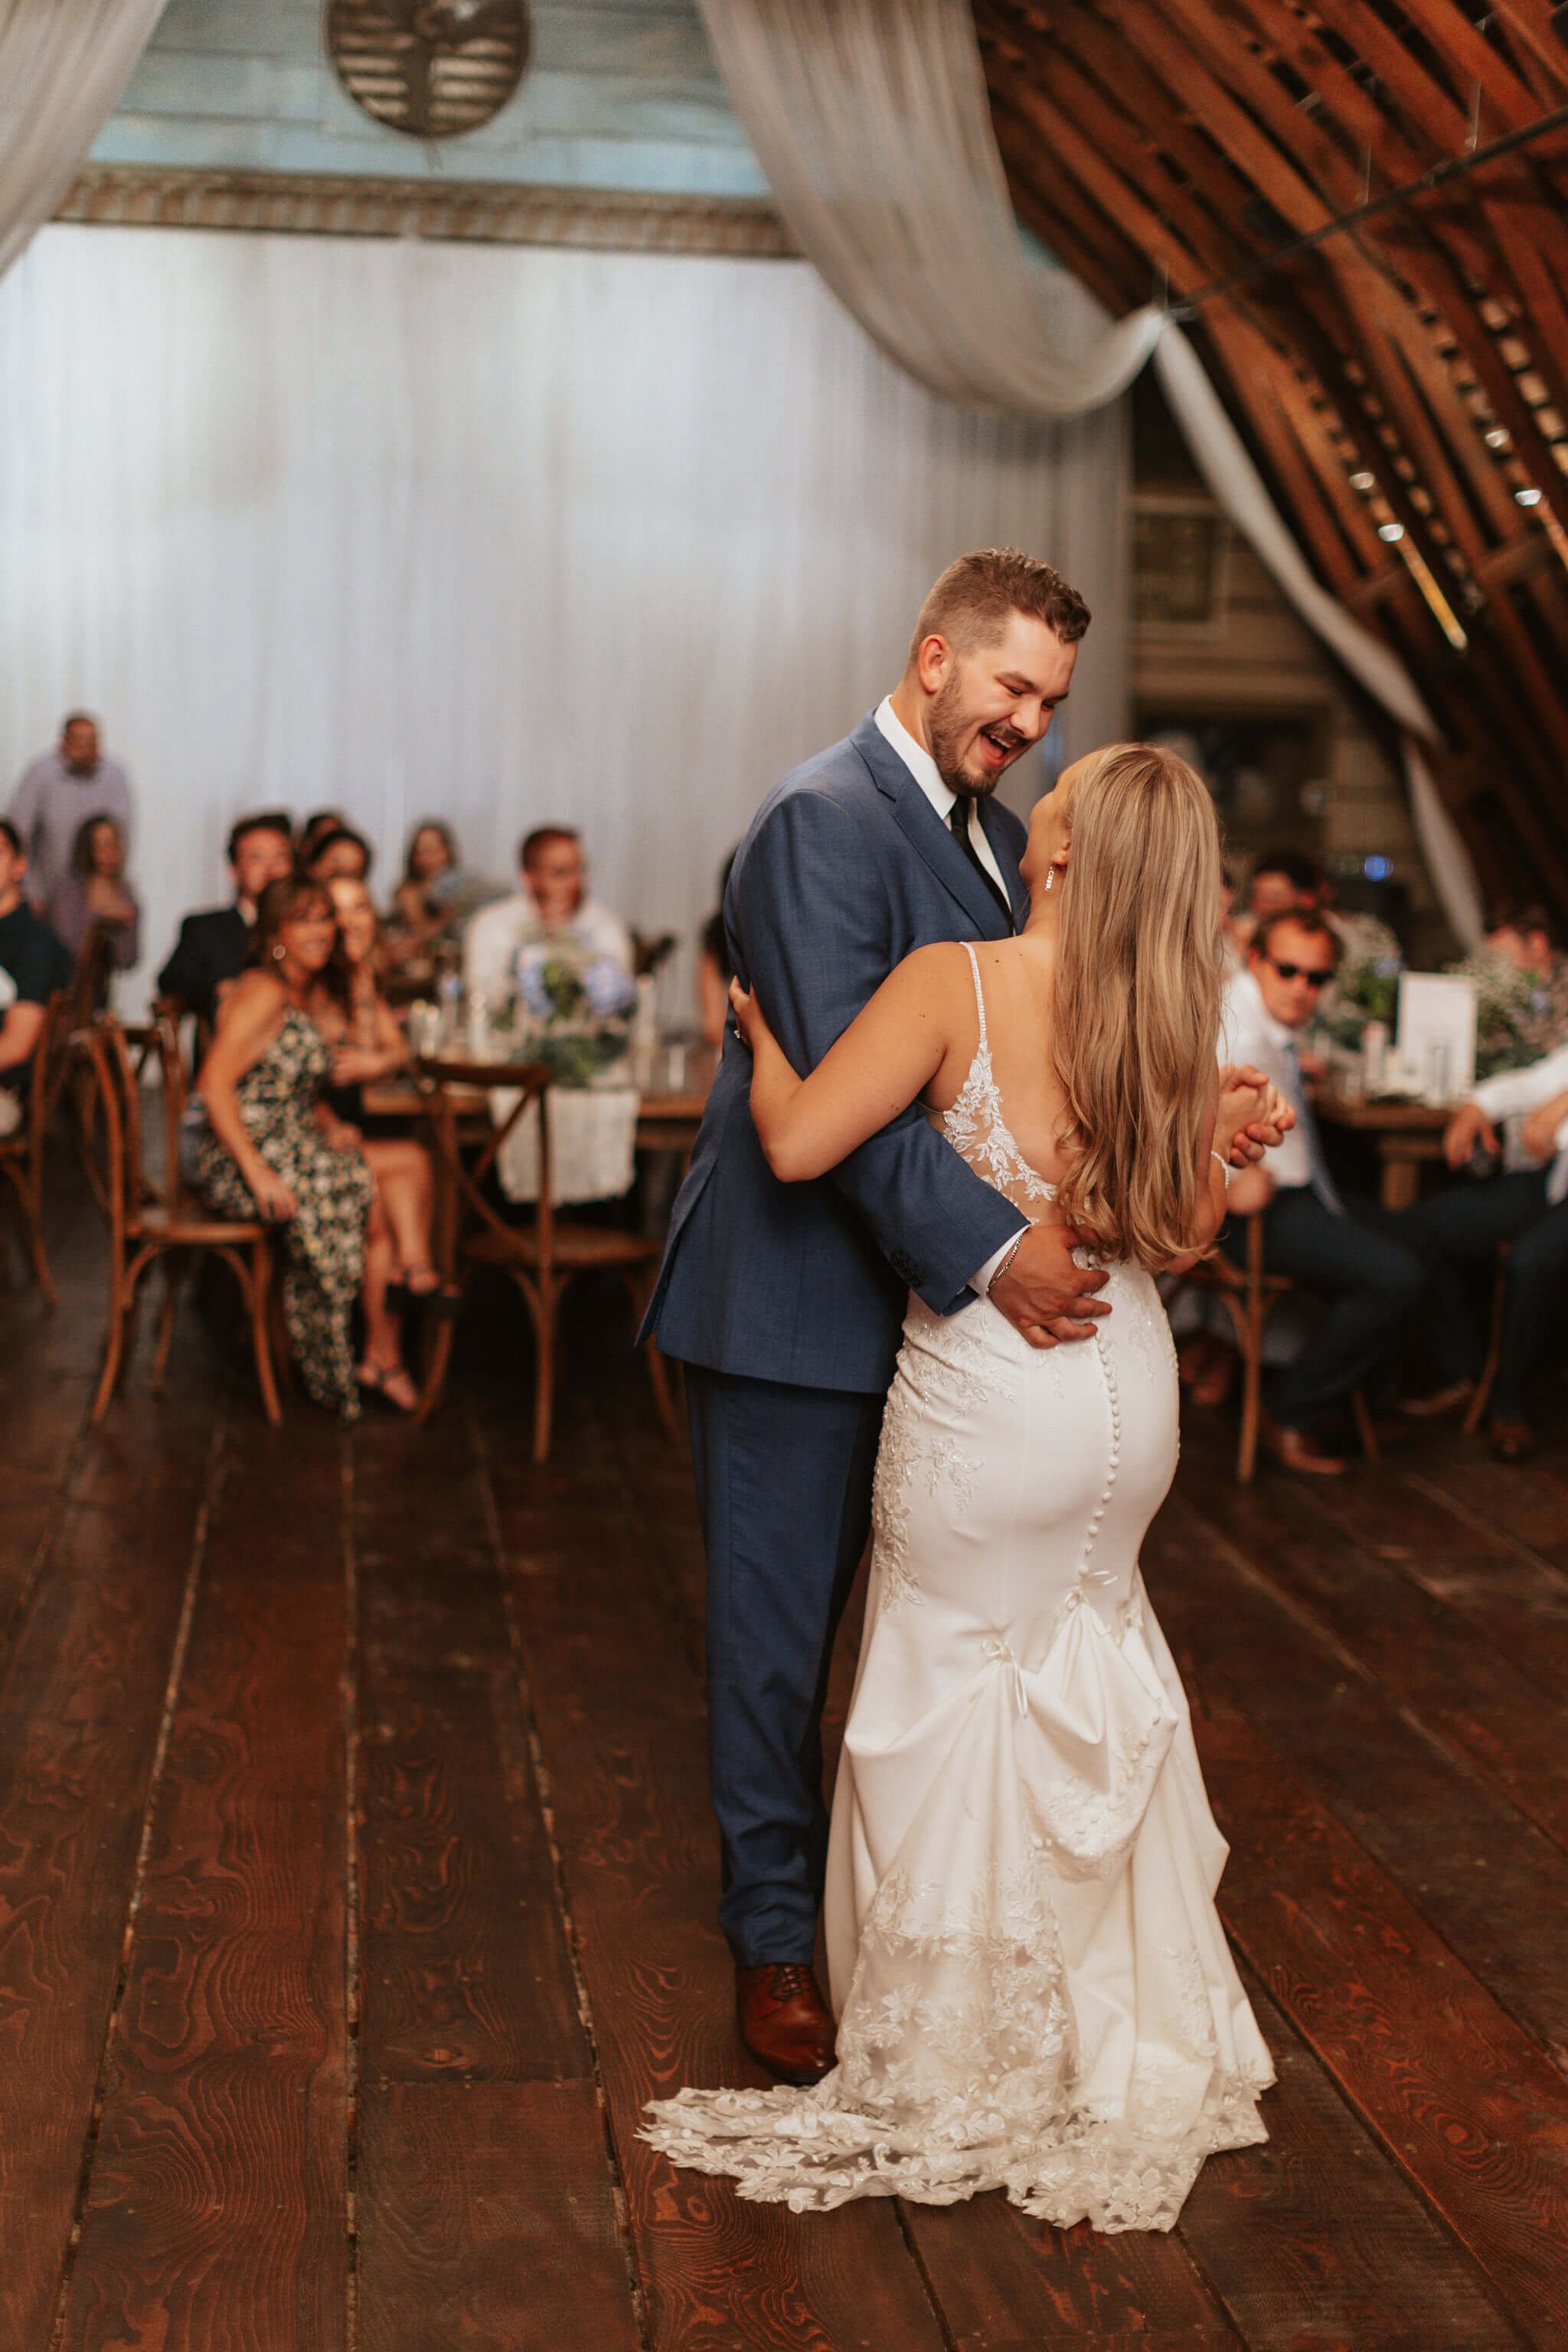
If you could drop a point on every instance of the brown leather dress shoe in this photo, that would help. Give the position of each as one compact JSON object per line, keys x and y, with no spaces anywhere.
{"x":784,"y":2021}
{"x":1294,"y":1450}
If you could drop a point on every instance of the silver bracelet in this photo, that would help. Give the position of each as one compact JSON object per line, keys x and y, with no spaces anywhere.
{"x":1228,"y":1171}
{"x":1006,"y":1262}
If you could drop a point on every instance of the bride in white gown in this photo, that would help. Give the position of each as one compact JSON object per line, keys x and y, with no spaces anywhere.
{"x":1033,"y":1987}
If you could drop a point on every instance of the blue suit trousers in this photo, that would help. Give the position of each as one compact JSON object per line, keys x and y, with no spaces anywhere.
{"x":784,"y":1484}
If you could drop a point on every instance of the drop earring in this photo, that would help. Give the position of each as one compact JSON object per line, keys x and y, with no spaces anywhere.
{"x":1050,"y":877}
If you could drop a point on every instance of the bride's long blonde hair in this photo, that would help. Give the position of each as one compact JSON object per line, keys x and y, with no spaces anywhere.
{"x":1137,"y":998}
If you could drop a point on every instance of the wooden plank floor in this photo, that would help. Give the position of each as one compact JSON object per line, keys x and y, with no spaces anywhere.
{"x":357,"y":1879}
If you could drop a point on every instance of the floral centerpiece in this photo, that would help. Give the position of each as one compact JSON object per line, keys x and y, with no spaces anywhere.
{"x":1366,"y":985}
{"x":1519,"y":1015}
{"x":574,"y":1007}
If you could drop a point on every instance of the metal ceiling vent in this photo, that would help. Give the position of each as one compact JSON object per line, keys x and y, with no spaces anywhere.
{"x":433,"y":69}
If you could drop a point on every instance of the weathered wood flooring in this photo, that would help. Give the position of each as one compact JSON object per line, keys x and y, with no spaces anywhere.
{"x":357,"y":1881}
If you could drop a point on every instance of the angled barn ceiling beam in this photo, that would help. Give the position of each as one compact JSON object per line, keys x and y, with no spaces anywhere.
{"x":1286,"y":38}
{"x":1473,"y":63}
{"x":1187,"y":74}
{"x":1208,"y":229}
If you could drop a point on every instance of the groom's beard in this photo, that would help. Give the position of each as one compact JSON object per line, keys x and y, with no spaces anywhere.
{"x":948,"y":725}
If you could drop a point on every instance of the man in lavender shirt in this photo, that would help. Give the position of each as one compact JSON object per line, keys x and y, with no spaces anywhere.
{"x":57,"y":794}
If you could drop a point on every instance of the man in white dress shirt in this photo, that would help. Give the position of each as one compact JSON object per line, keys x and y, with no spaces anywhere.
{"x":1523,"y":1204}
{"x":1353,"y":1257}
{"x":553,"y":902}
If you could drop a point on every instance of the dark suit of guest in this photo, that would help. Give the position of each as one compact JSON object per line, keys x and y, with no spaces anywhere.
{"x":785,"y":1301}
{"x":212,"y":947}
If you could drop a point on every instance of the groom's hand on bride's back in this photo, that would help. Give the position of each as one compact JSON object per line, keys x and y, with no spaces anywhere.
{"x":1044,"y":1293}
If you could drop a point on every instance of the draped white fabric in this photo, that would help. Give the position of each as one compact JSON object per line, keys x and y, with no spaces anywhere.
{"x":501,"y":534}
{"x":63,"y":64}
{"x":874,"y":129}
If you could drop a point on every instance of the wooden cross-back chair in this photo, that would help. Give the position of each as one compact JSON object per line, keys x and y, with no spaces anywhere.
{"x":148,"y":1220}
{"x":1250,"y":1295}
{"x":1481,"y":1402}
{"x":22,"y":1154}
{"x":543,"y":1258}
{"x":89,"y":996}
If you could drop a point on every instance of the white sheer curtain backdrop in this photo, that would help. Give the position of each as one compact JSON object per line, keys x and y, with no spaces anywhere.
{"x":63,"y":64}
{"x":497,"y":534}
{"x":873,"y":126}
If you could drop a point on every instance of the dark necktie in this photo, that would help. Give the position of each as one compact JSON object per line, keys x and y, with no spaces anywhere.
{"x":1321,"y":1183}
{"x":958,"y":819}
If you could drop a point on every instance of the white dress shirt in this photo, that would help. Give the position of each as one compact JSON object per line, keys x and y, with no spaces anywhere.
{"x":1249,"y":1033}
{"x":1513,"y":1094}
{"x":495,"y":933}
{"x":923,"y":769}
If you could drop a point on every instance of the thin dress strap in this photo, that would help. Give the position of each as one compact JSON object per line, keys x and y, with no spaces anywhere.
{"x":979,"y":992}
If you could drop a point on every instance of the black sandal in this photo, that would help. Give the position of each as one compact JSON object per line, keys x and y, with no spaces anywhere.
{"x":373,"y":1381}
{"x":437,"y":1298}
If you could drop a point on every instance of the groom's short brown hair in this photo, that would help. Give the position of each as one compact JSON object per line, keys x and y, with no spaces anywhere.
{"x":970,"y":603}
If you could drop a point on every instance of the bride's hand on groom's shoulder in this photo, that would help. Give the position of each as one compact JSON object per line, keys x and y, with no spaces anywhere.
{"x":749,"y":1022}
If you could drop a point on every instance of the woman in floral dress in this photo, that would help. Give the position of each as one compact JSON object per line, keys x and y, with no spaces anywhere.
{"x":274,"y":1150}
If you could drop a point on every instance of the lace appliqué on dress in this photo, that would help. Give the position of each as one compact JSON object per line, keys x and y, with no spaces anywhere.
{"x":973,"y":1125}
{"x":956,"y":2065}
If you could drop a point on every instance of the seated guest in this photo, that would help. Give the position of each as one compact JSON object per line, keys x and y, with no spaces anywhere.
{"x":96,"y":891}
{"x":33,"y":965}
{"x":1526,"y":938}
{"x":341,"y":852}
{"x":273,"y":1148}
{"x":214,"y":946}
{"x":1284,"y":882}
{"x":715,"y":969}
{"x":1524,"y":1203}
{"x":422,"y":899}
{"x":1236,"y":928}
{"x":1371,"y":1280}
{"x":553,"y":903}
{"x":435,"y":898}
{"x":315,"y":828}
{"x":366,"y":1045}
{"x":58,"y":793}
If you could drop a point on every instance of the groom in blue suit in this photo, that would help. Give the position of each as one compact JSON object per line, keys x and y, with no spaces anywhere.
{"x":785,"y":1302}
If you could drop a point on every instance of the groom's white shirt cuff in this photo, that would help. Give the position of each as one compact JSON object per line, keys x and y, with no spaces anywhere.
{"x":983,"y":1281}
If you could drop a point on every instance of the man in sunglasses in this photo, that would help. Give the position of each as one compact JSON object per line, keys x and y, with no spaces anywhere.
{"x":1351,"y":1258}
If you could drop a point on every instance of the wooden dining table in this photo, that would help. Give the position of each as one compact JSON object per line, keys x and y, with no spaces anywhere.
{"x":668,"y":1117}
{"x":1409,"y":1137}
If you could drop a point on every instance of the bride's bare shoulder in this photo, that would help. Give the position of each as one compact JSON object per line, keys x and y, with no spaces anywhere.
{"x":934,"y":971}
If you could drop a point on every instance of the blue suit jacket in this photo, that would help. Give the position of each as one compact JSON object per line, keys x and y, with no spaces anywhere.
{"x":846,"y":870}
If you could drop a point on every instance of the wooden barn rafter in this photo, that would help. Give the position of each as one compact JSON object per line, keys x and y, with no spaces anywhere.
{"x":1363,"y":207}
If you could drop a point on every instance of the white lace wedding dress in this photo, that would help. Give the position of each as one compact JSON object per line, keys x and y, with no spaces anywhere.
{"x":1033,"y":1987}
